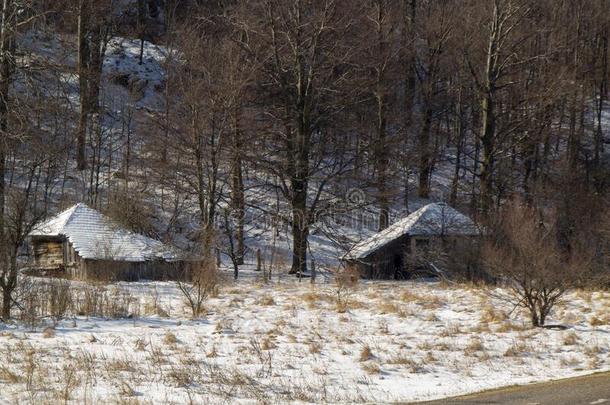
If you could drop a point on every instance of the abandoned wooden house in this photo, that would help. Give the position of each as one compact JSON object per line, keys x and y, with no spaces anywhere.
{"x":402,"y":249}
{"x":83,"y":244}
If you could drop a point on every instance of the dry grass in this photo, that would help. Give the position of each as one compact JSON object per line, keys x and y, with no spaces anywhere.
{"x":169,"y":338}
{"x":268,"y":344}
{"x":600,"y":320}
{"x":371,"y":367}
{"x":451,"y":329}
{"x":518,"y":349}
{"x":315,"y":348}
{"x":570,"y":361}
{"x":410,"y":296}
{"x":8,"y":376}
{"x":509,"y":326}
{"x":313,"y":298}
{"x":593,"y":349}
{"x":388,"y":308}
{"x":409,"y":363}
{"x":302,"y":328}
{"x":267,"y":300}
{"x":342,"y":307}
{"x":570,"y":338}
{"x":48,"y":333}
{"x":491,"y":314}
{"x":475,"y":345}
{"x":212,"y":352}
{"x":401,"y":360}
{"x":366,"y":353}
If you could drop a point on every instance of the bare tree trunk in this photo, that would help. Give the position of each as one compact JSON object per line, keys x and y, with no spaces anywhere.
{"x":7,"y":47}
{"x":237,"y":192}
{"x":459,"y":144}
{"x":425,"y":161}
{"x":381,"y":122}
{"x":299,"y":187}
{"x":599,"y":178}
{"x":409,"y":11}
{"x":488,"y":118}
{"x":91,"y":46}
{"x":300,"y":226}
{"x":487,"y":152}
{"x":300,"y":233}
{"x":141,"y":27}
{"x":83,"y":61}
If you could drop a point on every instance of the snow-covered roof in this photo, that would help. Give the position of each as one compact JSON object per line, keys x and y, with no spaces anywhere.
{"x":95,"y":236}
{"x":433,"y":219}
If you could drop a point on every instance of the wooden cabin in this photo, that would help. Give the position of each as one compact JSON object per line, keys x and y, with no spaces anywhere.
{"x":405,"y":247}
{"x":83,"y":244}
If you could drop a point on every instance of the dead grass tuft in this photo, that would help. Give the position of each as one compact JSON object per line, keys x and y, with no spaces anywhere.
{"x":388,"y":308}
{"x":451,"y":329}
{"x":6,"y":375}
{"x":267,"y":300}
{"x":493,"y":315}
{"x":366,"y":353}
{"x":517,"y":349}
{"x":48,"y":333}
{"x":315,"y":348}
{"x":474,"y":346}
{"x":268,"y":344}
{"x":371,"y":367}
{"x":570,"y":338}
{"x":599,"y":320}
{"x":169,"y":338}
{"x":410,"y":296}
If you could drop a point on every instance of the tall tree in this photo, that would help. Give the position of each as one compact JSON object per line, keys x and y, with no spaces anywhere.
{"x":504,"y":20}
{"x":435,"y":32}
{"x":7,"y":64}
{"x":301,"y":49}
{"x":93,"y":31}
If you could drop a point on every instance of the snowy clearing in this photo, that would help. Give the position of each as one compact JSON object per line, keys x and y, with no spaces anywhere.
{"x":288,"y":342}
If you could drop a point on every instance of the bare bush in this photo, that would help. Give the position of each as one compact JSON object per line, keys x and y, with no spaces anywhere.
{"x":203,"y":281}
{"x":526,"y":254}
{"x":346,"y":280}
{"x":60,"y":299}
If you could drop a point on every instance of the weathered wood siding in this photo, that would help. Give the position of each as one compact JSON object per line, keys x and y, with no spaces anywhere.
{"x":48,"y":254}
{"x":59,"y":254}
{"x":110,"y":270}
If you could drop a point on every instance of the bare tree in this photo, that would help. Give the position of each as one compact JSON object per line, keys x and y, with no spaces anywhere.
{"x":20,"y":216}
{"x":302,"y":52}
{"x":527,"y":256}
{"x":491,"y":75}
{"x":429,"y":73}
{"x":201,"y":282}
{"x":93,"y":34}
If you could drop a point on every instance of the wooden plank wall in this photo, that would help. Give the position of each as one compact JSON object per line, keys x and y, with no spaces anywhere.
{"x":48,"y":254}
{"x":109,"y":270}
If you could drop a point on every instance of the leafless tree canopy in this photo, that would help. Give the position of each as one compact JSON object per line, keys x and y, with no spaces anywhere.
{"x":527,"y":255}
{"x":208,"y":115}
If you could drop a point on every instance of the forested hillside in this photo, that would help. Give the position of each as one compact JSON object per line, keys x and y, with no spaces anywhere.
{"x":230,"y":124}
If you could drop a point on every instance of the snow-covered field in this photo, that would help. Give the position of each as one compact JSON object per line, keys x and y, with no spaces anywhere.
{"x":290,"y":342}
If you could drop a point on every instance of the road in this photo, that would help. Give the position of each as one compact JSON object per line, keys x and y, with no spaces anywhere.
{"x":590,"y":390}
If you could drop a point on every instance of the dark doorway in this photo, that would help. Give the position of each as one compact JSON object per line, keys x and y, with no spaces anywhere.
{"x":398,"y":264}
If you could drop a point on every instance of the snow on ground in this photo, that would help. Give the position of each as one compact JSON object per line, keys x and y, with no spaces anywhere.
{"x":290,"y":342}
{"x":144,"y":81}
